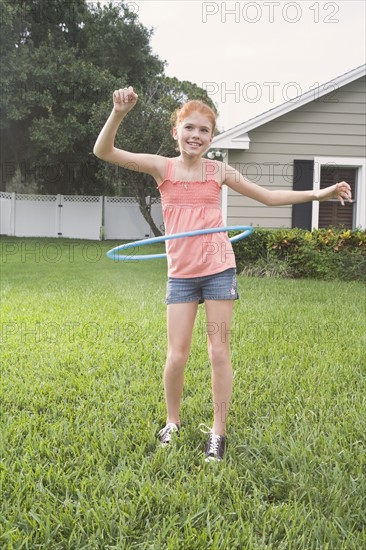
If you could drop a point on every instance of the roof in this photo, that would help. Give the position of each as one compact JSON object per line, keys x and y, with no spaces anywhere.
{"x":237,"y":137}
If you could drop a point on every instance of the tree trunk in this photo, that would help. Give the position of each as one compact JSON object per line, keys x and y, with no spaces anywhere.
{"x":144,"y":208}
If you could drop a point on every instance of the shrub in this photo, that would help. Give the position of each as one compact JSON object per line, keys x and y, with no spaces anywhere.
{"x":320,"y":254}
{"x":268,"y":266}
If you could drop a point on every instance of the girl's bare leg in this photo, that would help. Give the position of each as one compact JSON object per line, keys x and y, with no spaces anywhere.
{"x":219,"y":315}
{"x":180,"y":322}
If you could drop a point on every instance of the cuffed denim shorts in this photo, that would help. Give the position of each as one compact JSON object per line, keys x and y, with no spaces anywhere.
{"x":220,"y":286}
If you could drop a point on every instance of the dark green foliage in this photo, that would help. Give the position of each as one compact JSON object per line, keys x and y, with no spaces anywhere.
{"x":61,"y":62}
{"x":321,"y":254}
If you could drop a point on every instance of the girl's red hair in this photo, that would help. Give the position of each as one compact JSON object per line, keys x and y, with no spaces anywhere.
{"x":194,"y":105}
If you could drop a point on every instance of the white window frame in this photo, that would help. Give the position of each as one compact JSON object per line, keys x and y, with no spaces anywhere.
{"x":224,"y":193}
{"x":360,"y":187}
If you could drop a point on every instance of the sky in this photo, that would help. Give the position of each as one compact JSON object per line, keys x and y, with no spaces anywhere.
{"x":253,"y":55}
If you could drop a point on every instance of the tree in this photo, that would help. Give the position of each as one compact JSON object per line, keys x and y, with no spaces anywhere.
{"x":61,"y":62}
{"x":33,"y":39}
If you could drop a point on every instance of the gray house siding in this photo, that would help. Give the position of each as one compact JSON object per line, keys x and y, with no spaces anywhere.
{"x":333,"y":125}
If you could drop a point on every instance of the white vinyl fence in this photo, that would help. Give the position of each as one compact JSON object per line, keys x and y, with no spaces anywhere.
{"x":122,"y":216}
{"x":75,"y":216}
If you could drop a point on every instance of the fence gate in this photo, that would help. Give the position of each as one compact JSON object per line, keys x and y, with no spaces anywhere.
{"x":80,"y":217}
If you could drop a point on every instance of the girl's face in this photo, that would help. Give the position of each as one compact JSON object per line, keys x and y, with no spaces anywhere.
{"x":193,"y":134}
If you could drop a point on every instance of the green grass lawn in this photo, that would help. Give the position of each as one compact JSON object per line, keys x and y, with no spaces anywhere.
{"x":83,"y":351}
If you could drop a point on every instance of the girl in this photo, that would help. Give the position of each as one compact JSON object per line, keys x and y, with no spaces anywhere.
{"x":201,"y":268}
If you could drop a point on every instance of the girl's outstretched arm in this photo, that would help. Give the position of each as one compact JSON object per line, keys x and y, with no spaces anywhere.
{"x":123,"y":101}
{"x":233,"y":179}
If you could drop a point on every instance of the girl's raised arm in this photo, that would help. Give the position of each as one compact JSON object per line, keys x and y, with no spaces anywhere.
{"x":123,"y":101}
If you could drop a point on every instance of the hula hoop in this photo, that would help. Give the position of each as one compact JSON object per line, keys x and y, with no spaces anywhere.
{"x":113,"y":254}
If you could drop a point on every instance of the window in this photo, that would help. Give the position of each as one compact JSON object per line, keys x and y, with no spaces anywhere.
{"x":351,"y":167}
{"x":332,"y":213}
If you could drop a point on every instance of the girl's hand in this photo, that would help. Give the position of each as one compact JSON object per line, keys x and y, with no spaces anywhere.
{"x":340,"y":191}
{"x":124,"y":100}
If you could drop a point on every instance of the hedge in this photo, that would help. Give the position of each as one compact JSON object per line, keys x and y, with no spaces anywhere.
{"x":321,"y":254}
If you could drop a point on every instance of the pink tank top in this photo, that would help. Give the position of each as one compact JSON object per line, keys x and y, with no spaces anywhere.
{"x":188,"y":206}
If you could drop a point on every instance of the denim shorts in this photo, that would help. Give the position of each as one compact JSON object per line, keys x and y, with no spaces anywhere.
{"x":220,"y":286}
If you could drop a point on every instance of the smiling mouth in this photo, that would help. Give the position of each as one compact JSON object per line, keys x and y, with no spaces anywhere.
{"x":194,"y":143}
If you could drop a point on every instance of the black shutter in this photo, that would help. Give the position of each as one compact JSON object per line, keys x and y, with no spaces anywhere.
{"x":303,"y":181}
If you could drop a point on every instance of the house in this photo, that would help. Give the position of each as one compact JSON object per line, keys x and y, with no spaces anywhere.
{"x":310,"y":142}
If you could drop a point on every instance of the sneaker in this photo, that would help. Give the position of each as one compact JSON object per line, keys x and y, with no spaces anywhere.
{"x":215,"y":448}
{"x":165,"y":435}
